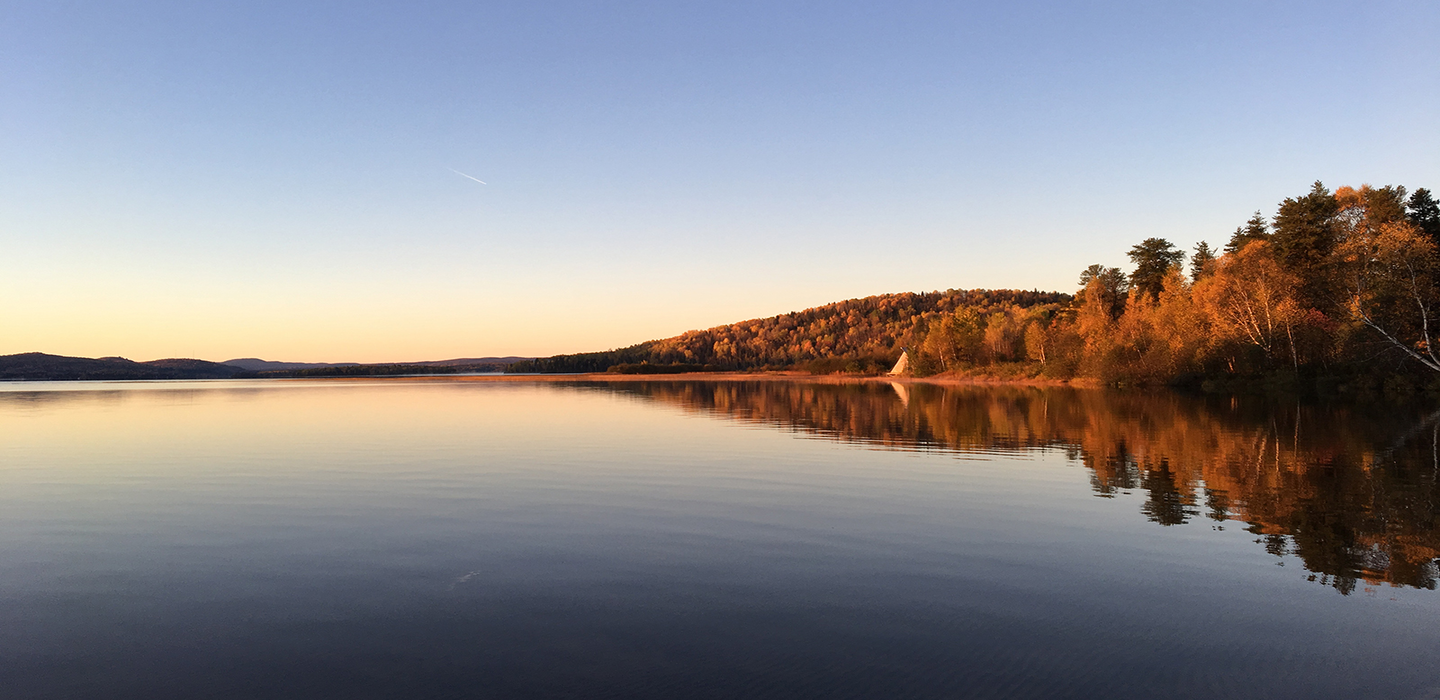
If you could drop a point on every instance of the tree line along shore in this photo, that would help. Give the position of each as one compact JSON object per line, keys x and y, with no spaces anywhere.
{"x":1336,"y":291}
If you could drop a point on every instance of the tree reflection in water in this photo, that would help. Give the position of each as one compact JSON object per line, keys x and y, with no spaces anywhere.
{"x":1349,"y":490}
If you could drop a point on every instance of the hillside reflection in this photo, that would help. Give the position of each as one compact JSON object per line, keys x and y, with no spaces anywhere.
{"x":1351,"y":491}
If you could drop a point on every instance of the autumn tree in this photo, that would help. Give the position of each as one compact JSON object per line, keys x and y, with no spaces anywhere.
{"x":1037,"y":342}
{"x":1158,"y":339}
{"x":1389,"y":268}
{"x":1004,"y":332}
{"x":1252,"y":299}
{"x":1037,"y":339}
{"x":1095,"y":324}
{"x":951,"y":340}
{"x":1182,"y":328}
{"x":1111,"y":291}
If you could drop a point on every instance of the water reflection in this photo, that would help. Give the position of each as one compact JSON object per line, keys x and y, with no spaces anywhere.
{"x":453,"y":538}
{"x":1349,"y":490}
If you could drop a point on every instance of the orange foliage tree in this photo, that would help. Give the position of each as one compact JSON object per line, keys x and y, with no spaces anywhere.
{"x":1251,"y":300}
{"x":1390,"y":275}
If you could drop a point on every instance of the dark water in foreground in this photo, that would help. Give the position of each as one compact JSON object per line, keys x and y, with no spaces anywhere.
{"x":443,"y":538}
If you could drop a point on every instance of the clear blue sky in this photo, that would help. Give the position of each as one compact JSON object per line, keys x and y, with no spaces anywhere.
{"x":220,"y":180}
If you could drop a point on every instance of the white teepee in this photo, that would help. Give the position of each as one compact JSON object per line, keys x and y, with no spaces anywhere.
{"x":902,"y":365}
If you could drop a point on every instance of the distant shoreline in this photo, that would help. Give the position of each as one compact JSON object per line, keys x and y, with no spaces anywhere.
{"x":604,"y":377}
{"x":719,"y":376}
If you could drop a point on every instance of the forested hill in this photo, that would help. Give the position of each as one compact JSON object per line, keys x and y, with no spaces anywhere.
{"x":37,"y":365}
{"x":1337,"y":292}
{"x":859,"y":334}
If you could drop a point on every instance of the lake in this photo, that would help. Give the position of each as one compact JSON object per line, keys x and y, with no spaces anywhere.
{"x":674,"y":539}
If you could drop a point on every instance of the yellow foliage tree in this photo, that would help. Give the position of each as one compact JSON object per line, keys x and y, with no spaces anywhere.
{"x":1390,"y":273}
{"x":1252,"y":300}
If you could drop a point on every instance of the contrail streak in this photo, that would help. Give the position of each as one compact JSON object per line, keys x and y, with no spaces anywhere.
{"x":457,"y":172}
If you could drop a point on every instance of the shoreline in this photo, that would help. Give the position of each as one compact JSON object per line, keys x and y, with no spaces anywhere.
{"x":600,"y":377}
{"x":720,"y":377}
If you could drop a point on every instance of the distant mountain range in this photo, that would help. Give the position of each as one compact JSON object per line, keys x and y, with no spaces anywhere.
{"x":41,"y":366}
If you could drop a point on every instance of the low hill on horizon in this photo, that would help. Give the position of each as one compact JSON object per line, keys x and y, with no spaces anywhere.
{"x":463,"y":361}
{"x":39,"y":366}
{"x":865,"y":334}
{"x":42,"y":366}
{"x":255,"y":364}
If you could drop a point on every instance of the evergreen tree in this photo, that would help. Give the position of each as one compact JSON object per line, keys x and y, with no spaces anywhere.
{"x":1256,"y":229}
{"x":1304,"y":237}
{"x":1424,"y":212}
{"x":1202,"y":263}
{"x":1091,"y":273}
{"x":1153,"y":258}
{"x":1384,"y":205}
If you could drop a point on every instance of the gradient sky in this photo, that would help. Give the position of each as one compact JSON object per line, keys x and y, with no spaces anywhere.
{"x":273,"y":179}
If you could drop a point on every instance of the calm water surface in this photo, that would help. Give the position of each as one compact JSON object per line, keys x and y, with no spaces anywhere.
{"x":434,"y":539}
